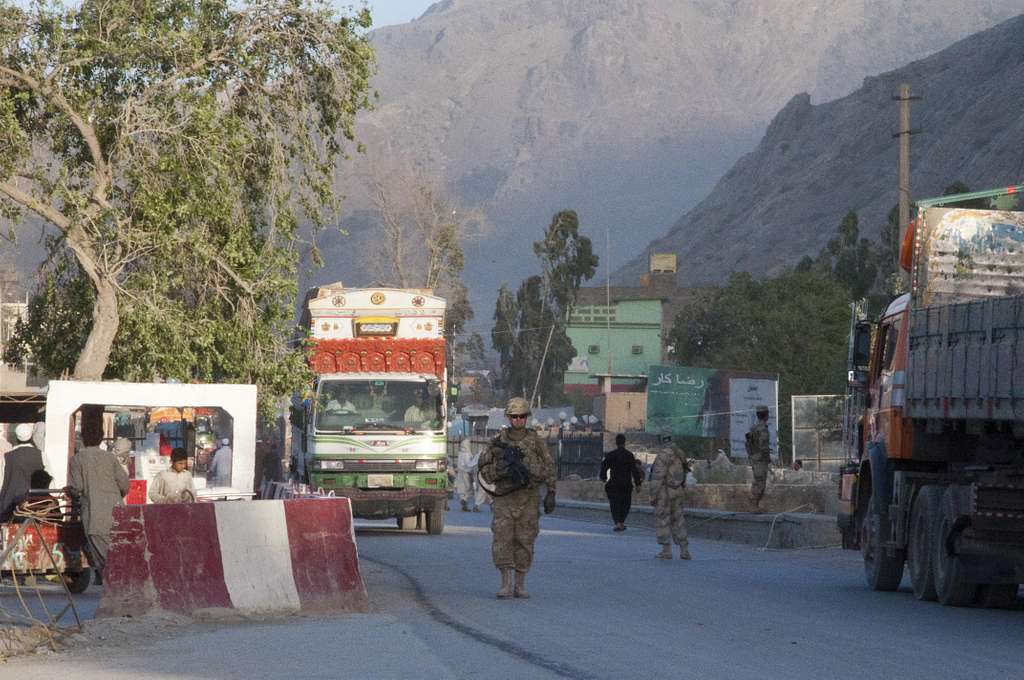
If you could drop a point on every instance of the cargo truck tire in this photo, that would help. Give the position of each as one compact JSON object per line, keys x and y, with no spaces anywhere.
{"x":951,"y":586}
{"x":920,"y":546}
{"x":435,"y":522}
{"x":882,"y":570}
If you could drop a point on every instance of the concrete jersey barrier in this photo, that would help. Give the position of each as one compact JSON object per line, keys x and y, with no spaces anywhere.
{"x":253,"y":557}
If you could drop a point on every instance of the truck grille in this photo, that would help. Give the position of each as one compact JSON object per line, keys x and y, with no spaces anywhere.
{"x":380,"y":466}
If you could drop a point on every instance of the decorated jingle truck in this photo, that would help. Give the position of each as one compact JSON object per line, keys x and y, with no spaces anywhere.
{"x":935,"y":419}
{"x":374,"y":430}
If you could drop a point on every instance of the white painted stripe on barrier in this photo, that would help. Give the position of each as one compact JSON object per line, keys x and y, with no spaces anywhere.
{"x":256,"y":555}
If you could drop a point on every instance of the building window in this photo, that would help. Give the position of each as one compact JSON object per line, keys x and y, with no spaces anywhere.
{"x":594,"y":349}
{"x":638,"y":349}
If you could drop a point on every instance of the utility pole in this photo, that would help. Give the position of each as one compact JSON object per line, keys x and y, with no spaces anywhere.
{"x":608,"y":298}
{"x":904,"y":135}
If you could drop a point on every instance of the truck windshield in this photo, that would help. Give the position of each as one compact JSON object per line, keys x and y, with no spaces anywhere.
{"x":378,"y":405}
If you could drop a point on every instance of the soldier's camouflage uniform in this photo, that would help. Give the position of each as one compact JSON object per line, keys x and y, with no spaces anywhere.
{"x":668,"y":482}
{"x":759,"y":452}
{"x":515,"y":517}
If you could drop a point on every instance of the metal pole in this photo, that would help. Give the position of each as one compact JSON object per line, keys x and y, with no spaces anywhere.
{"x":904,"y":134}
{"x":540,"y":369}
{"x":608,"y":299}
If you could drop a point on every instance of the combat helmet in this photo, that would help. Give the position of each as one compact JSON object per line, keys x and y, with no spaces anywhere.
{"x":517,"y":406}
{"x":761,"y":410}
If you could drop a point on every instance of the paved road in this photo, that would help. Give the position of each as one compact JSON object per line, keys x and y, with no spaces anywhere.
{"x":602,"y":607}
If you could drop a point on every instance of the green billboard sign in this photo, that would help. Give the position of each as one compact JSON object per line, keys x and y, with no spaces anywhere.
{"x":676,"y":397}
{"x":705,"y":402}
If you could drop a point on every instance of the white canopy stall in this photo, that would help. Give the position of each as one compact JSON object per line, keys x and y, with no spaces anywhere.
{"x":65,"y":397}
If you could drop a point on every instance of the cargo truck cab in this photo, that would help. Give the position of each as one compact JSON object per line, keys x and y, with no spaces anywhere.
{"x":934,"y":483}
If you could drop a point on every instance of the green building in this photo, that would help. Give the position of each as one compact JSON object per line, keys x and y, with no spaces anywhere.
{"x":631,"y":330}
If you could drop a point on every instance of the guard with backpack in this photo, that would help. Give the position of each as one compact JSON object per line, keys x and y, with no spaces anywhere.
{"x":668,"y":482}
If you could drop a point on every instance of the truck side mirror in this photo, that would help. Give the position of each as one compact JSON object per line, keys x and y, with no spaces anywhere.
{"x":861,"y":349}
{"x":857,"y":378}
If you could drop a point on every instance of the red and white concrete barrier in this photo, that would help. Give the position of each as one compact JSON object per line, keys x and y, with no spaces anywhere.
{"x":249,"y":556}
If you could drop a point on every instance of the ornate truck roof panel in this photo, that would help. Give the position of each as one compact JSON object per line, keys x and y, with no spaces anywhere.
{"x":338,"y":313}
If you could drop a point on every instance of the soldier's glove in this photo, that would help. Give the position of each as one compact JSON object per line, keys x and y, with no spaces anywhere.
{"x":549,"y":503}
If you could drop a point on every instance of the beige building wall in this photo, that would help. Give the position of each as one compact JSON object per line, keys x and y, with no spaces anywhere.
{"x":622,"y":411}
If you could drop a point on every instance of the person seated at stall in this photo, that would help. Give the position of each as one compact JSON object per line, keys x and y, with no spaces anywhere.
{"x":174,"y":485}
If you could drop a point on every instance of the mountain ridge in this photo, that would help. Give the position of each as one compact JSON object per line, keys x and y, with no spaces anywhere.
{"x":816,"y":162}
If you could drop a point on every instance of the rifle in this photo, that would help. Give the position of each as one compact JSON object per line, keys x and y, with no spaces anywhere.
{"x":509,"y":467}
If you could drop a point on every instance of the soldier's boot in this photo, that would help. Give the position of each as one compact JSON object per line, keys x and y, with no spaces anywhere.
{"x":521,"y":585}
{"x":684,"y":551}
{"x":465,"y":508}
{"x":506,"y":585}
{"x":666,"y":552}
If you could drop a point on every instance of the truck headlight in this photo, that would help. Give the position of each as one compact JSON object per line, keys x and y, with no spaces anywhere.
{"x":330,"y":465}
{"x":426,"y":465}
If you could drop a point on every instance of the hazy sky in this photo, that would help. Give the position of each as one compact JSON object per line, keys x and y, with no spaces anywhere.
{"x":387,"y":12}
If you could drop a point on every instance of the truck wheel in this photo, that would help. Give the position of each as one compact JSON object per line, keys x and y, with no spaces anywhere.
{"x":435,"y":522}
{"x":998,"y":595}
{"x":407,"y":523}
{"x":919,"y":551}
{"x":882,"y":570}
{"x":78,"y":581}
{"x":950,"y":585}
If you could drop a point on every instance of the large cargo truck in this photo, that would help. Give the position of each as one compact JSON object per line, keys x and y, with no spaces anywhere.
{"x":935,"y":478}
{"x":375,"y":427}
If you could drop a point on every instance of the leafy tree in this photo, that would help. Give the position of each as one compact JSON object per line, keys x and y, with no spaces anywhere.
{"x":853,"y":258}
{"x":567,"y":259}
{"x":422,"y":228}
{"x":794,"y":324}
{"x":175,"y":147}
{"x":529,"y":332}
{"x":526,"y":329}
{"x":470,"y":352}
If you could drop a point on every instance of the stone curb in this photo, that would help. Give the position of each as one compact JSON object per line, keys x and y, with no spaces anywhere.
{"x":769,"y":530}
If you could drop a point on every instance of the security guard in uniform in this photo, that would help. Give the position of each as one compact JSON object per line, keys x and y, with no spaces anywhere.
{"x":513,"y":467}
{"x":759,"y":453}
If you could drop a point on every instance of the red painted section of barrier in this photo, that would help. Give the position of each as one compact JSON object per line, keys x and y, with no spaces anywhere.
{"x":325,"y":562}
{"x":163,"y":557}
{"x":185,"y":560}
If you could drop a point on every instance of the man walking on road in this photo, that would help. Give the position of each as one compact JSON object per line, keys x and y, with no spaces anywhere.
{"x":759,"y":453}
{"x":624,"y":476}
{"x":668,"y":481}
{"x":97,"y":479}
{"x":514,"y":466}
{"x":467,"y":482}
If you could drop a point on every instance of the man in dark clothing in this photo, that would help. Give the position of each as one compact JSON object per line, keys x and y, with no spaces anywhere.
{"x":625,"y":473}
{"x":19,"y":464}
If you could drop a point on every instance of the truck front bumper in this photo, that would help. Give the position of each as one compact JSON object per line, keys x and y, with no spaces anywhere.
{"x":383,"y":504}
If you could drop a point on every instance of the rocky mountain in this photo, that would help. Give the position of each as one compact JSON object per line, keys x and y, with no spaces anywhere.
{"x":785,"y":199}
{"x":626,"y":110}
